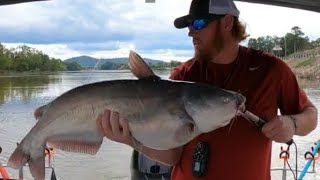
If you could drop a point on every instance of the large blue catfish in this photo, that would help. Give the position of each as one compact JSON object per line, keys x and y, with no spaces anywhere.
{"x":162,"y":114}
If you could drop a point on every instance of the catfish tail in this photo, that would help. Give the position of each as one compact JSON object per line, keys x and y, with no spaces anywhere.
{"x":36,"y":160}
{"x":18,"y":158}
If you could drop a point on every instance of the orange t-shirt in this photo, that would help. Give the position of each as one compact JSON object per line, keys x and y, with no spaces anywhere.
{"x":240,"y":151}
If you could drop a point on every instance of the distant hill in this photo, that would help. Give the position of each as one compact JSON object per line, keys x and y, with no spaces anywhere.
{"x":84,"y":61}
{"x":87,"y":61}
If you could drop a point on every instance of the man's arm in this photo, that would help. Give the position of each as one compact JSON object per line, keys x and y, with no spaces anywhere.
{"x":282,"y":128}
{"x":299,"y":115}
{"x":307,"y":120}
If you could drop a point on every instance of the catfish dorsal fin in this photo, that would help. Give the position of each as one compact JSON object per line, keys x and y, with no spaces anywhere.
{"x":140,"y":68}
{"x":39,"y":111}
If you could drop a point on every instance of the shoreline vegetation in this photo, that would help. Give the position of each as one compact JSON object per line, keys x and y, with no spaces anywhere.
{"x":301,"y":54}
{"x":310,"y":72}
{"x":305,"y":66}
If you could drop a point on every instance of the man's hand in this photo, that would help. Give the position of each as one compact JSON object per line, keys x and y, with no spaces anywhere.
{"x":279,"y":129}
{"x":114,"y":127}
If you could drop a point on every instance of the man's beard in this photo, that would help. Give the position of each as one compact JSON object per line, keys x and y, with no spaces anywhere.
{"x":216,"y":46}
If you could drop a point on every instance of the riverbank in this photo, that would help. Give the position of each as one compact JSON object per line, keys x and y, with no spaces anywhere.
{"x":306,"y":68}
{"x":6,"y":72}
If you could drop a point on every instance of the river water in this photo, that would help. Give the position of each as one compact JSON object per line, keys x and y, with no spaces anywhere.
{"x":21,"y":94}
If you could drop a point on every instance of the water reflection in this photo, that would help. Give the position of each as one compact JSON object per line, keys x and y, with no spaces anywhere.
{"x":23,"y":87}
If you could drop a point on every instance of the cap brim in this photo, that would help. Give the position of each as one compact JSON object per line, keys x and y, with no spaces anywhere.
{"x":184,"y":21}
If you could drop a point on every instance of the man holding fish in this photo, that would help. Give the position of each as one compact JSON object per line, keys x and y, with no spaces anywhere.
{"x":239,"y":150}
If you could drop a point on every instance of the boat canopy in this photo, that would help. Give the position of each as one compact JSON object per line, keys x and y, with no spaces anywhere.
{"x":7,"y":2}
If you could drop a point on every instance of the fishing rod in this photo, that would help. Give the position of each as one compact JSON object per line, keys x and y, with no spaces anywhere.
{"x":258,"y":121}
{"x":91,"y":71}
{"x":306,"y":167}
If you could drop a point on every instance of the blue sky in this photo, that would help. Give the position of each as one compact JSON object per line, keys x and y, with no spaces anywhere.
{"x":110,"y":28}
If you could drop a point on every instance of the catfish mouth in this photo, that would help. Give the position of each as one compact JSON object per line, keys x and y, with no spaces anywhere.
{"x":240,"y":104}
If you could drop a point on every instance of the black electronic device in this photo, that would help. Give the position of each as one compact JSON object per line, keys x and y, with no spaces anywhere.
{"x":200,"y":159}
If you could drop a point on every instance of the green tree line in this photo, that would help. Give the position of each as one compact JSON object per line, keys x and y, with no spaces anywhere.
{"x":292,"y":42}
{"x":160,"y":65}
{"x":24,"y":58}
{"x":164,"y":65}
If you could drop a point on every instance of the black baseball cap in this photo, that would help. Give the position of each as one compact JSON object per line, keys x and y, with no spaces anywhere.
{"x":207,"y":9}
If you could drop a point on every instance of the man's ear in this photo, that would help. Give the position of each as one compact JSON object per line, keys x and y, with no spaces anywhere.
{"x":227,"y":22}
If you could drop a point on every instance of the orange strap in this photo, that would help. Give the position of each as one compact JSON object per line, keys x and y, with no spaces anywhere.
{"x":4,"y":172}
{"x":285,"y":155}
{"x":309,"y":156}
{"x":49,"y":151}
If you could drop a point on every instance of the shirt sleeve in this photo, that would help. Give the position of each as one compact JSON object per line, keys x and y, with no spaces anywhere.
{"x":292,"y":98}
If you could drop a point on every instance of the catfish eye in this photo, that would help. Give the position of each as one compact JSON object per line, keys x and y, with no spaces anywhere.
{"x":225,"y":99}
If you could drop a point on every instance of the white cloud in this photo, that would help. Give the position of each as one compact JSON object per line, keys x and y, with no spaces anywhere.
{"x":53,"y":50}
{"x":109,"y":28}
{"x":265,"y":20}
{"x":63,"y":51}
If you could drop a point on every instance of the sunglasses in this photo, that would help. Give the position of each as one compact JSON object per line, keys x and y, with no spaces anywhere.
{"x":199,"y":24}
